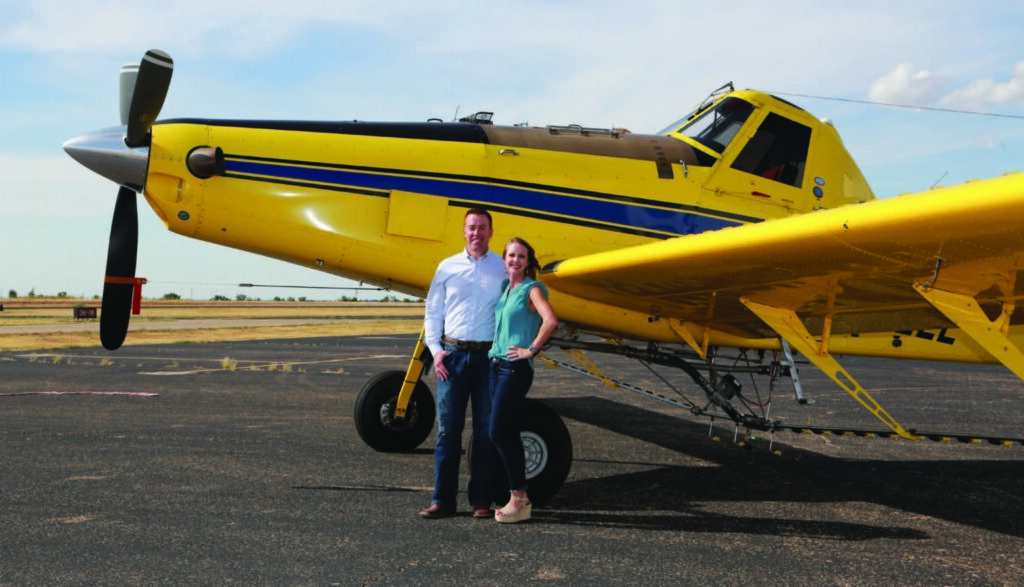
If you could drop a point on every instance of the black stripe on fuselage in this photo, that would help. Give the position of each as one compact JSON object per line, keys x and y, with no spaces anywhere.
{"x":459,"y":132}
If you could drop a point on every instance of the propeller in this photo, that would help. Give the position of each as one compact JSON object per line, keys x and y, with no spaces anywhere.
{"x":119,"y":284}
{"x":150,"y":89}
{"x":121,"y":289}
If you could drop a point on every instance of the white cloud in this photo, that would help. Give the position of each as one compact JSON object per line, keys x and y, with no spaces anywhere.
{"x":985,"y":92}
{"x":904,"y":85}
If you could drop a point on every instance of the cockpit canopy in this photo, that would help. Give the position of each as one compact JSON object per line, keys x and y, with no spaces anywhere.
{"x":777,"y":151}
{"x":716,"y":127}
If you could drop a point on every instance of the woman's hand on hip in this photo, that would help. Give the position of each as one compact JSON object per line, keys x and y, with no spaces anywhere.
{"x":516,"y":353}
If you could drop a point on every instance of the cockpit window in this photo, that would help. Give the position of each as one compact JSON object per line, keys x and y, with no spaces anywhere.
{"x":716,"y":128}
{"x":777,"y":151}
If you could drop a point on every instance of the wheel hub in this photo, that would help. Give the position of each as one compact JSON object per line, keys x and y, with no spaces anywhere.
{"x":536,"y":452}
{"x":387,"y":416}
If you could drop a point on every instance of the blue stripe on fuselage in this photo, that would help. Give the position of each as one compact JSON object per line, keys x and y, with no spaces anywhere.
{"x":624,"y":214}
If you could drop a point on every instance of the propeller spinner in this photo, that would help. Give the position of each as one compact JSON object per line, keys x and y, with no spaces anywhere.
{"x":121,"y":154}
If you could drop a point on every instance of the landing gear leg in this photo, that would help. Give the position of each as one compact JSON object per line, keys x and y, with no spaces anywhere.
{"x":395,"y":410}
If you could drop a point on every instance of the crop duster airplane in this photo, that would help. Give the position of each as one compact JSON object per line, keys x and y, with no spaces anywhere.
{"x":744,"y":225}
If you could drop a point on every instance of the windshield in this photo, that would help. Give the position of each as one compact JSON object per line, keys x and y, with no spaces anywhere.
{"x":716,"y":127}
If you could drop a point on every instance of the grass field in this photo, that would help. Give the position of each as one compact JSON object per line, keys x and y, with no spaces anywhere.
{"x":36,"y":323}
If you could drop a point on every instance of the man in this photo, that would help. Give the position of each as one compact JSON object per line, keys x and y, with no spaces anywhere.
{"x":458,"y":329}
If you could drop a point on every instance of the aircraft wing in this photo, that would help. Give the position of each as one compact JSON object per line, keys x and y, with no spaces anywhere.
{"x":856,"y":265}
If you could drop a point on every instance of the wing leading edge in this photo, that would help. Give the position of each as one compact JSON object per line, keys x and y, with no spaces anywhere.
{"x":849,"y":270}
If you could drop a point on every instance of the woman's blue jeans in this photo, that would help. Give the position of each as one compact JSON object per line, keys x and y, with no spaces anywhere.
{"x":510,"y":381}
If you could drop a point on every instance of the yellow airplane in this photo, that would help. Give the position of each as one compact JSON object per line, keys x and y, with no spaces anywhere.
{"x":746,"y":224}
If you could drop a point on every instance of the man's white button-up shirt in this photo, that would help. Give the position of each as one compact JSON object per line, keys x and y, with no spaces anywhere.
{"x":461,"y":300}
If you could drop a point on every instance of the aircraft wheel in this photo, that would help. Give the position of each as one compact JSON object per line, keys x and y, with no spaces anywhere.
{"x":548,"y":449}
{"x":375,"y":414}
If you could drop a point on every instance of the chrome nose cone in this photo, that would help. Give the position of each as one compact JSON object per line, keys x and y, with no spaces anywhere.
{"x":105,"y":153}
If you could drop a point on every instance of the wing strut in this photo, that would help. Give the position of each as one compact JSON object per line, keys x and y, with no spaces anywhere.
{"x":680,"y":328}
{"x":788,"y":326}
{"x":794,"y":376}
{"x":966,"y":313}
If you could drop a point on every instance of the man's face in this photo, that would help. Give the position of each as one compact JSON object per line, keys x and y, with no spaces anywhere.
{"x":477,"y":230}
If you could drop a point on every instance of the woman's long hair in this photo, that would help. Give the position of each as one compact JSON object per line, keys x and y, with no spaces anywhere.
{"x":532,"y":264}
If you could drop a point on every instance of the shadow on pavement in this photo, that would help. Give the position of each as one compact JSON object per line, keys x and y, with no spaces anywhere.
{"x":979,"y":493}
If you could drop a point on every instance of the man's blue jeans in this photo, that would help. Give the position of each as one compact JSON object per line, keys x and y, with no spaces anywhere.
{"x":510,"y":381}
{"x":468,"y":379}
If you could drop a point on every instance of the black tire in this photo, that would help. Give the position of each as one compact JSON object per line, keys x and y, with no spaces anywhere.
{"x":375,"y":411}
{"x":548,"y":448}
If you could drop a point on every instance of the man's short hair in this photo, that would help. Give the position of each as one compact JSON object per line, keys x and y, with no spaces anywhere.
{"x":479,"y":212}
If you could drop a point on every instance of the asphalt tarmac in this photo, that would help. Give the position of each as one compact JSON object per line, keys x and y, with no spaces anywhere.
{"x":158,"y":465}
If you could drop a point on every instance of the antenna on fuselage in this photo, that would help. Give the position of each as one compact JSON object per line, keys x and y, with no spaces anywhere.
{"x":726,"y":87}
{"x":944,"y":173}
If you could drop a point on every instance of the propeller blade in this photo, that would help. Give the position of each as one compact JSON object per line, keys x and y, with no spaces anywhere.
{"x":120,"y":280}
{"x":151,"y":83}
{"x":125,"y":89}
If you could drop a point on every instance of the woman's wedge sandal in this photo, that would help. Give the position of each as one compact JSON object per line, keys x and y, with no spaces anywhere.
{"x":510,"y":514}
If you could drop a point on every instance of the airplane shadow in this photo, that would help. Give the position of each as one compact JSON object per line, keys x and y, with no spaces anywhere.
{"x":979,"y":493}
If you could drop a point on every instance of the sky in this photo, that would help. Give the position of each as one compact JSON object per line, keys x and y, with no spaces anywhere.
{"x":639,"y":65}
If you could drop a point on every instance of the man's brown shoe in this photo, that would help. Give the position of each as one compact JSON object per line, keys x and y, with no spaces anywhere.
{"x":436,"y":511}
{"x":482,"y":510}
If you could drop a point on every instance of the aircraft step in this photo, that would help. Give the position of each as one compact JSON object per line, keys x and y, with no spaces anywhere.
{"x":880,"y":433}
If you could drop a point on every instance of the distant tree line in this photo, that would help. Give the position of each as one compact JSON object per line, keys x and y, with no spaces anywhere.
{"x":13,"y":294}
{"x":245,"y":298}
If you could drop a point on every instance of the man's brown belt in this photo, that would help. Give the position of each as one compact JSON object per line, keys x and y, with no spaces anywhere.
{"x":468,"y":345}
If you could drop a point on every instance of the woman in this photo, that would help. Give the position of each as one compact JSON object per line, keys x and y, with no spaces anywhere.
{"x":523,"y":322}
